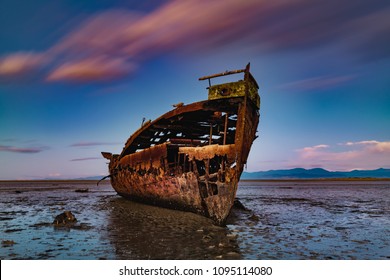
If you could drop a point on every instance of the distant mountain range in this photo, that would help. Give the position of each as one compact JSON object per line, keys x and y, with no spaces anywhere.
{"x":315,"y":173}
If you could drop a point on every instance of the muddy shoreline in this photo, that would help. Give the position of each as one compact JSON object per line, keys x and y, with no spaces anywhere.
{"x":278,"y":220}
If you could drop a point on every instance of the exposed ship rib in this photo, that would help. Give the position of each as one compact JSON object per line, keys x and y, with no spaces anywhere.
{"x":191,"y":158}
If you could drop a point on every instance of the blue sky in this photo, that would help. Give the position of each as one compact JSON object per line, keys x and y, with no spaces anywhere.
{"x":77,"y":77}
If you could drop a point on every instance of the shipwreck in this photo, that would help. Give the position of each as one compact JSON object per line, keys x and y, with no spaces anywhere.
{"x":191,"y":158}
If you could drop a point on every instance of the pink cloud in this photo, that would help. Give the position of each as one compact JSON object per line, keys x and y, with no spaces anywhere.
{"x":21,"y":63}
{"x":100,"y":34}
{"x":194,"y":24}
{"x":122,"y":38}
{"x":90,"y":144}
{"x":381,"y":147}
{"x":364,"y":155}
{"x":321,"y":152}
{"x":309,"y":152}
{"x":372,"y":145}
{"x":91,"y":69}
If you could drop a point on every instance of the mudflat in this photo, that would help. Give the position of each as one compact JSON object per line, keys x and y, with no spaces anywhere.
{"x":328,"y":219}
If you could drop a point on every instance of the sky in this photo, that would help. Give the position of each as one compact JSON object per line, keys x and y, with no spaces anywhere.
{"x":78,"y":77}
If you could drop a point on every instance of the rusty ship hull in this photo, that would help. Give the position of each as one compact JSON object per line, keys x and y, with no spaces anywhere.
{"x":192,"y":157}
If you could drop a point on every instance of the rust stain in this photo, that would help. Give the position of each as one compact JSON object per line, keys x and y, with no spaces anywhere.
{"x":191,"y":158}
{"x":209,"y":152}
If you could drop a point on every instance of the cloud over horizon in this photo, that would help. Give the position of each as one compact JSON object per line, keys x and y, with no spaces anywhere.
{"x":112,"y":44}
{"x":354,"y":155}
{"x":29,"y":150}
{"x":91,"y":144}
{"x":86,"y":158}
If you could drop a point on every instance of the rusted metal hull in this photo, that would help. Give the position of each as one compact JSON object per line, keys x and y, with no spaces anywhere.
{"x":184,"y":192}
{"x":190,"y":158}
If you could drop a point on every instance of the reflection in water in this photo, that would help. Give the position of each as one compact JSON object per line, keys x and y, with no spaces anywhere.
{"x":286,"y":220}
{"x":315,"y":220}
{"x":139,"y":231}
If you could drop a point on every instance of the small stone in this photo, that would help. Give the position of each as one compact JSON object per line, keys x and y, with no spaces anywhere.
{"x":8,"y":242}
{"x":207,"y":238}
{"x":233,"y":254}
{"x":82,"y":190}
{"x":238,"y":204}
{"x":231,"y":236}
{"x":64,"y":218}
{"x":254,"y":218}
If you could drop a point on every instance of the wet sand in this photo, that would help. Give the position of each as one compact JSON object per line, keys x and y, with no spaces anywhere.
{"x":108,"y":227}
{"x":284,"y":220}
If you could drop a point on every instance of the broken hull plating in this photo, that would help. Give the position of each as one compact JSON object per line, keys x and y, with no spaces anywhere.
{"x":200,"y":179}
{"x":192,"y":157}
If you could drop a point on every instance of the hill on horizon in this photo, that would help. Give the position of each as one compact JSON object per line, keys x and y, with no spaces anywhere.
{"x":315,"y":173}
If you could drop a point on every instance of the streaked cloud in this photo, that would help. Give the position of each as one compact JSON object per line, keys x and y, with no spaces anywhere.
{"x":91,"y":144}
{"x":366,"y":33}
{"x":27,"y":150}
{"x":372,"y":146}
{"x":318,"y":83}
{"x":355,"y":155}
{"x":368,"y":142}
{"x":125,"y":38}
{"x":99,"y":33}
{"x":86,"y":158}
{"x":91,"y":69}
{"x":22,"y":62}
